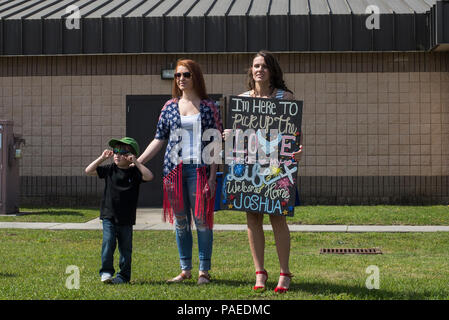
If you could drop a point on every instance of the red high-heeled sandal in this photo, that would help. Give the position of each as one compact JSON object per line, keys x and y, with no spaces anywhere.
{"x":279,"y":289}
{"x":264,"y":272}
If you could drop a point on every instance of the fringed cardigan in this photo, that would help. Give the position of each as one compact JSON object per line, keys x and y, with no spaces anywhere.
{"x":169,"y":122}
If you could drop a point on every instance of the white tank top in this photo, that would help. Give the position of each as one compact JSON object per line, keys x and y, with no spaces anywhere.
{"x":191,"y":138}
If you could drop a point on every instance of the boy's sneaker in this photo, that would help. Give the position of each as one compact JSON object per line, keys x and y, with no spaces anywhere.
{"x":118,"y":280}
{"x":106,"y":277}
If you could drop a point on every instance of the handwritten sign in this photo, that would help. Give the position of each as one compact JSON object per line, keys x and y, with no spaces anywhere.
{"x":260,"y":171}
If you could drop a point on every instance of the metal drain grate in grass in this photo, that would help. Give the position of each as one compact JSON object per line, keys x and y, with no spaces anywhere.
{"x":351,"y":251}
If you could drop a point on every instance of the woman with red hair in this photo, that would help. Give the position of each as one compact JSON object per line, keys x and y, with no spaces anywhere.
{"x":188,"y":182}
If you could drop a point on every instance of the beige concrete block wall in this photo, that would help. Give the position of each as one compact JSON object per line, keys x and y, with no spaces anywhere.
{"x":386,"y":124}
{"x":354,"y":124}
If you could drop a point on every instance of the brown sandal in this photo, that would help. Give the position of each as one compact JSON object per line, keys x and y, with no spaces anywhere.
{"x":206,"y":278}
{"x":179,"y":278}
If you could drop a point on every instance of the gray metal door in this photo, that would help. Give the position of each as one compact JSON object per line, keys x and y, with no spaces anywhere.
{"x":142,"y":114}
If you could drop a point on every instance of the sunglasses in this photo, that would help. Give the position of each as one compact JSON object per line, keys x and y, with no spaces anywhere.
{"x":121,"y":152}
{"x":186,"y":75}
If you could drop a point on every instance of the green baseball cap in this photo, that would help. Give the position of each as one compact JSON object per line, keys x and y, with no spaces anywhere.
{"x":126,"y":140}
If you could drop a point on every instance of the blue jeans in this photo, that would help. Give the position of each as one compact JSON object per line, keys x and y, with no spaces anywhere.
{"x":183,"y":221}
{"x":124,"y":235}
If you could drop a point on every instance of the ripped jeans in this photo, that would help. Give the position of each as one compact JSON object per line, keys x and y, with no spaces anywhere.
{"x":183,"y":220}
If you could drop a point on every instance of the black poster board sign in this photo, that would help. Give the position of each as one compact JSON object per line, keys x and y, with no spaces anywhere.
{"x":260,"y":172}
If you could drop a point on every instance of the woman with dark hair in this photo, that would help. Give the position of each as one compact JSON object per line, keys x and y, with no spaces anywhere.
{"x":265,"y":80}
{"x":188,"y":183}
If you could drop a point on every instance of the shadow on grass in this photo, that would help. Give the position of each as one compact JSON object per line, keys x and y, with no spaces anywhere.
{"x":313,"y":288}
{"x":191,"y":282}
{"x":362,"y":293}
{"x":51,"y":213}
{"x":147,"y":282}
{"x":7,"y":275}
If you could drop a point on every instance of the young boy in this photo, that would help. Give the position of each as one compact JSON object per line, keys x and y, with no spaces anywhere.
{"x":118,"y":206}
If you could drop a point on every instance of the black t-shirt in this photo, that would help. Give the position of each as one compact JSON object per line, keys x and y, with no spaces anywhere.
{"x":121,"y":192}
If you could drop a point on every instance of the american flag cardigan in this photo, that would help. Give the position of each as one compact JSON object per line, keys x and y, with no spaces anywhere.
{"x":169,"y":121}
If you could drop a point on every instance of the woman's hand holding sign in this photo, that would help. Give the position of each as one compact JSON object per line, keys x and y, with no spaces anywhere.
{"x":297,"y":155}
{"x":226,"y":134}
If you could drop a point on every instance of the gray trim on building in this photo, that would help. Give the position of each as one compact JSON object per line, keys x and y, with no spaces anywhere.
{"x":313,"y":190}
{"x":38,"y":27}
{"x":225,"y":63}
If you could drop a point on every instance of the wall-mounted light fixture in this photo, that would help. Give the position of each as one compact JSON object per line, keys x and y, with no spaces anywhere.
{"x":168,"y":73}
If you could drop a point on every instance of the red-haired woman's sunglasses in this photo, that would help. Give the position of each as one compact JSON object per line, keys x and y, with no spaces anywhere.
{"x":186,"y":75}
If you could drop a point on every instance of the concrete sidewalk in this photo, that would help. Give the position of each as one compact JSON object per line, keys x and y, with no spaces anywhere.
{"x":151,"y":219}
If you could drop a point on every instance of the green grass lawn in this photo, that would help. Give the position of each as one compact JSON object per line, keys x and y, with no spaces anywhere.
{"x":413,"y":266}
{"x":353,"y":215}
{"x":347,"y":215}
{"x":54,"y":214}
